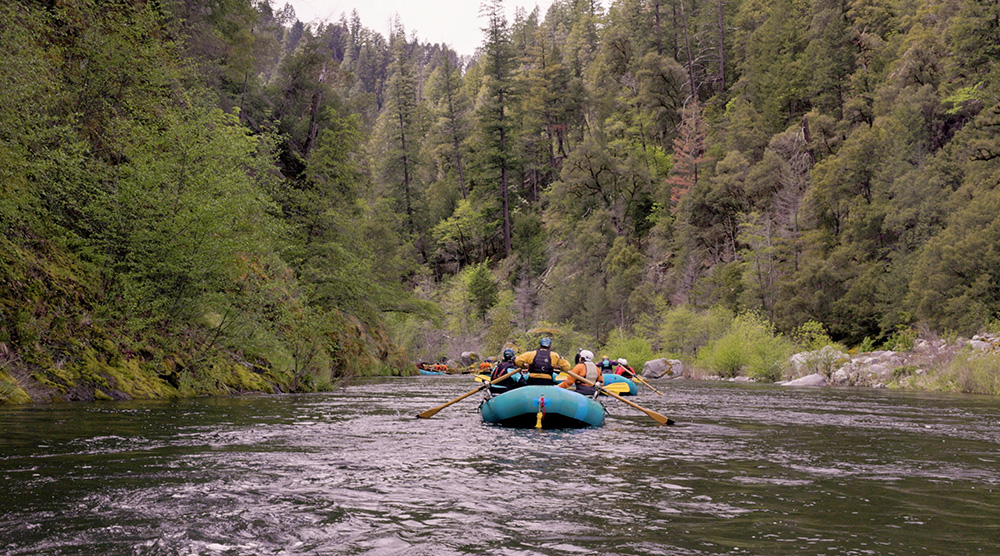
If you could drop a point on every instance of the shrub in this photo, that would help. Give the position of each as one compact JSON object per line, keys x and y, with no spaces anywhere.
{"x":867,"y":345}
{"x":901,"y":340}
{"x":976,"y":374}
{"x":636,"y":349}
{"x":684,"y":330}
{"x":751,"y":345}
{"x":812,"y":336}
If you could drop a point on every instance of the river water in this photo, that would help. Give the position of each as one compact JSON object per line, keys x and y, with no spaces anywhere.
{"x":748,"y":470}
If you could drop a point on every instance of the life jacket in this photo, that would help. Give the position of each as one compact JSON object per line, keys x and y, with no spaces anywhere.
{"x":503,"y":368}
{"x":592,"y":373}
{"x":541,"y":366}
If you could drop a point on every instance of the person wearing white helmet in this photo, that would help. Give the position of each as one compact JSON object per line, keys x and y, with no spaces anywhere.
{"x":623,"y":369}
{"x":588,"y":370}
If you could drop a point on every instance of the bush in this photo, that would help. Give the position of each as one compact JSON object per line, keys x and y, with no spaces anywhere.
{"x":686,"y":331}
{"x":976,"y":374}
{"x":812,"y":336}
{"x":751,"y":346}
{"x":636,"y":349}
{"x":901,"y":340}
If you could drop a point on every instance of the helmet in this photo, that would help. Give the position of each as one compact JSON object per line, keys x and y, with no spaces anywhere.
{"x":508,"y":354}
{"x":586,"y":355}
{"x":545,"y":342}
{"x":622,"y":361}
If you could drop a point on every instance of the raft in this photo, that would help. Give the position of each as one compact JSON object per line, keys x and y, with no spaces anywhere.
{"x":560,"y":408}
{"x":611,"y":378}
{"x":426,"y":372}
{"x":613,"y":383}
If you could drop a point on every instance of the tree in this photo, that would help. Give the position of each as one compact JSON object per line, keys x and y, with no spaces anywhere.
{"x":481,"y":287}
{"x":689,"y":153}
{"x":497,"y":98}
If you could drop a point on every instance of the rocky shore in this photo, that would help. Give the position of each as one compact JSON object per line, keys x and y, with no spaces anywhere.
{"x":875,"y":369}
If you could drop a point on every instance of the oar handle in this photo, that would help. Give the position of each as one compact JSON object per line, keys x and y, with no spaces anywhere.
{"x":663,"y":420}
{"x":430,"y":412}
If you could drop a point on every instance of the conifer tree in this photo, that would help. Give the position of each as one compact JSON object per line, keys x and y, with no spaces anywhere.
{"x":497,"y":99}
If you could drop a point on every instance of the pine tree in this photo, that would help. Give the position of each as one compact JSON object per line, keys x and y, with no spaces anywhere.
{"x":497,"y":126}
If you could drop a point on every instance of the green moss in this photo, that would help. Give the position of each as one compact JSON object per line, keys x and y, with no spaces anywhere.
{"x":137,"y":381}
{"x":10,"y":391}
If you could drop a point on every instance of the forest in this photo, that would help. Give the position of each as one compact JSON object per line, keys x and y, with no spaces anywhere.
{"x":204,"y":196}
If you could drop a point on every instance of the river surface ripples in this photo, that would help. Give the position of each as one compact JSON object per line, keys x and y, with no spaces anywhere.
{"x":748,"y":470}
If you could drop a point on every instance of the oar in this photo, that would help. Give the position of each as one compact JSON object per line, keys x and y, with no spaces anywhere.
{"x":430,"y":412}
{"x":618,"y":387}
{"x":656,"y":416}
{"x":641,"y":380}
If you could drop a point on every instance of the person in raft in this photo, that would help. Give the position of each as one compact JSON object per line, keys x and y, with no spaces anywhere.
{"x":504,"y":367}
{"x":588,"y":370}
{"x":541,"y":362}
{"x":623,"y":369}
{"x":606,"y":365}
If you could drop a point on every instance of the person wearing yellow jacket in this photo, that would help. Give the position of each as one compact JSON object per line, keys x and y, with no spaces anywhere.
{"x":541,"y":363}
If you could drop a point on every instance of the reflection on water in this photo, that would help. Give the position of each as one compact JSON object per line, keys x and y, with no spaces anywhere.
{"x":750,"y":470}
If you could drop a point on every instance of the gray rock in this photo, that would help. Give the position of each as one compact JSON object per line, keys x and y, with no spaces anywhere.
{"x":663,"y":368}
{"x":815,"y":379}
{"x":979,"y":345}
{"x":468,"y":358}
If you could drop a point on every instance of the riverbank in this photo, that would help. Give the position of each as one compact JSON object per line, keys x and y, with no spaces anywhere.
{"x":968,"y":365}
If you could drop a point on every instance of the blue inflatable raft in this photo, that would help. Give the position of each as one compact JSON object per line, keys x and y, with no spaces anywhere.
{"x":426,"y":372}
{"x":611,"y":378}
{"x":559,"y":408}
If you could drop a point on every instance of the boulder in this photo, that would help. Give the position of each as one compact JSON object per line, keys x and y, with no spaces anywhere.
{"x":815,"y":379}
{"x":663,"y":368}
{"x":468,"y":358}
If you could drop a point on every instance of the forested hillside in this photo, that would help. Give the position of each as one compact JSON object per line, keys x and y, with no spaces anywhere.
{"x":208,"y":195}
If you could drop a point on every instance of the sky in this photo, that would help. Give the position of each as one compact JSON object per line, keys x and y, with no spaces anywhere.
{"x":453,"y":22}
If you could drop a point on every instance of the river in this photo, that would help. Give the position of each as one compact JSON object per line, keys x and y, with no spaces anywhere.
{"x":747,"y":470}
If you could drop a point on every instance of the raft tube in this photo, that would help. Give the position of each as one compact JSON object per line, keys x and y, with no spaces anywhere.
{"x":561,"y":408}
{"x":611,"y":378}
{"x":425,"y":372}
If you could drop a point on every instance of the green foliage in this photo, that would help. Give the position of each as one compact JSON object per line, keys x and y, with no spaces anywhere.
{"x":10,"y":391}
{"x":968,"y":373}
{"x":812,"y":336}
{"x":566,"y":341}
{"x":481,"y":287}
{"x":225,"y":184}
{"x":635,"y":349}
{"x":750,"y":347}
{"x":501,"y":318}
{"x":901,"y":340}
{"x":685,"y":330}
{"x":867,"y":345}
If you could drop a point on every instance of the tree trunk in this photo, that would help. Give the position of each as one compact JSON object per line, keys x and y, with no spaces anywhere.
{"x":722,"y":48}
{"x":687,"y":52}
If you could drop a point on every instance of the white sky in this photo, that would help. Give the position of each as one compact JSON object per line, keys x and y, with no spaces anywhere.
{"x":453,"y":22}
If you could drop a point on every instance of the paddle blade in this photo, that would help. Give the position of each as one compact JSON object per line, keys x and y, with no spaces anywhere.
{"x":432,"y":411}
{"x":618,"y":387}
